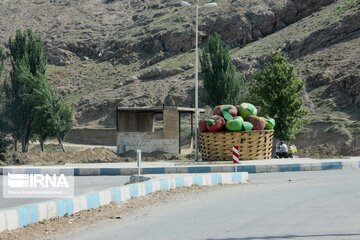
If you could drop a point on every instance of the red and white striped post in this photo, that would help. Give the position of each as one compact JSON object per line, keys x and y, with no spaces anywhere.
{"x":235,"y":150}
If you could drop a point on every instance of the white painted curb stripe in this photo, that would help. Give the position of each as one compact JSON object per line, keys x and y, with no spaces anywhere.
{"x":3,"y":225}
{"x":105,"y":197}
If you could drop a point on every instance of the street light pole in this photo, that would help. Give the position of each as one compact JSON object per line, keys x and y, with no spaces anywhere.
{"x":197,"y":85}
{"x":186,"y":4}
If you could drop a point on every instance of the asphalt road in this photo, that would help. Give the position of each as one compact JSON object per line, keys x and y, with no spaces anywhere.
{"x":83,"y":185}
{"x":297,"y":205}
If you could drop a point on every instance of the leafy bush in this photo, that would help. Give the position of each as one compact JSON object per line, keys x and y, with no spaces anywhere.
{"x":278,"y":92}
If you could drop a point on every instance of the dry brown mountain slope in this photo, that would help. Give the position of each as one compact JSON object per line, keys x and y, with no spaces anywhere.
{"x":96,"y":47}
{"x":104,"y":53}
{"x":325,"y":48}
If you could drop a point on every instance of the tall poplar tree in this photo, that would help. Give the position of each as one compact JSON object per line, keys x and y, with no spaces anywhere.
{"x":32,"y":105}
{"x":2,"y":59}
{"x":222,"y":82}
{"x":3,"y":142}
{"x":28,"y":69}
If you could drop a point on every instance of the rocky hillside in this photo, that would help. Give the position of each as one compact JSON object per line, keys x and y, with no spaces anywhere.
{"x":104,"y":53}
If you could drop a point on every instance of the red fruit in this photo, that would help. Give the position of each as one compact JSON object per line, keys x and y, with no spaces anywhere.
{"x":202,"y":126}
{"x":219,"y":110}
{"x":258,"y":122}
{"x":215,"y":123}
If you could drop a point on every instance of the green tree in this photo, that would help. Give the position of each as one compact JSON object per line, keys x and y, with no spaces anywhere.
{"x":2,"y":59}
{"x":28,"y":71}
{"x":278,"y":92}
{"x":52,"y":116}
{"x":18,"y":108}
{"x":44,"y":113}
{"x":65,"y":122}
{"x":3,"y":140}
{"x":222,"y":83}
{"x":33,"y":106}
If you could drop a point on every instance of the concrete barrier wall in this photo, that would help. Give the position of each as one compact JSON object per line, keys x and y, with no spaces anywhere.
{"x":92,"y":136}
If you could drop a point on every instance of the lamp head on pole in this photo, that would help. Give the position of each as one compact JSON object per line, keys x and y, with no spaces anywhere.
{"x":214,"y":4}
{"x":185,"y":4}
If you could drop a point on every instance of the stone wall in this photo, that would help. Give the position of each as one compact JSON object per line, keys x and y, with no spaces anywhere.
{"x":147,"y":141}
{"x":165,"y":141}
{"x":92,"y":136}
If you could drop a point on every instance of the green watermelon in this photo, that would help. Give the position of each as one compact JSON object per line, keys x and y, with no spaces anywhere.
{"x":247,"y":126}
{"x":234,"y":124}
{"x":270,"y":123}
{"x":247,"y":109}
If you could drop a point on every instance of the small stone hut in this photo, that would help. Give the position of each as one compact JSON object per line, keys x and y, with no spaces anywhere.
{"x":153,"y":129}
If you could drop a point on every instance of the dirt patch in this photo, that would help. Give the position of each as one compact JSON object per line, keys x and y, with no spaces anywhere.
{"x":57,"y":228}
{"x":105,"y":155}
{"x":328,"y":151}
{"x":90,"y":155}
{"x":54,"y":157}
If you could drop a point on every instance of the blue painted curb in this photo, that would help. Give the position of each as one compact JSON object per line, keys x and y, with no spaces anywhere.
{"x":277,"y":167}
{"x":290,"y":167}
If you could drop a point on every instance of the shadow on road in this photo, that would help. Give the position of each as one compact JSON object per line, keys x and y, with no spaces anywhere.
{"x":290,"y":236}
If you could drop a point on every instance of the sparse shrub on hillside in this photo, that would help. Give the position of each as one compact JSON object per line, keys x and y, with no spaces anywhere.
{"x":222,"y":82}
{"x":279,"y":93}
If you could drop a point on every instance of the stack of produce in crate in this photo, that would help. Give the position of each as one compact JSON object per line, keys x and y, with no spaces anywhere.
{"x":231,"y":118}
{"x":236,"y":126}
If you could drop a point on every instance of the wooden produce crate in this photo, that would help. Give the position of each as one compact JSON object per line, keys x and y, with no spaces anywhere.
{"x":254,"y":145}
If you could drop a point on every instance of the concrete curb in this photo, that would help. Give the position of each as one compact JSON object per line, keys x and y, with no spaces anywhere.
{"x":316,"y":165}
{"x":19,"y":217}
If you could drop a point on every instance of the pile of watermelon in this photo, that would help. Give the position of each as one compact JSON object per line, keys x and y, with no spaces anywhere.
{"x":240,"y":118}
